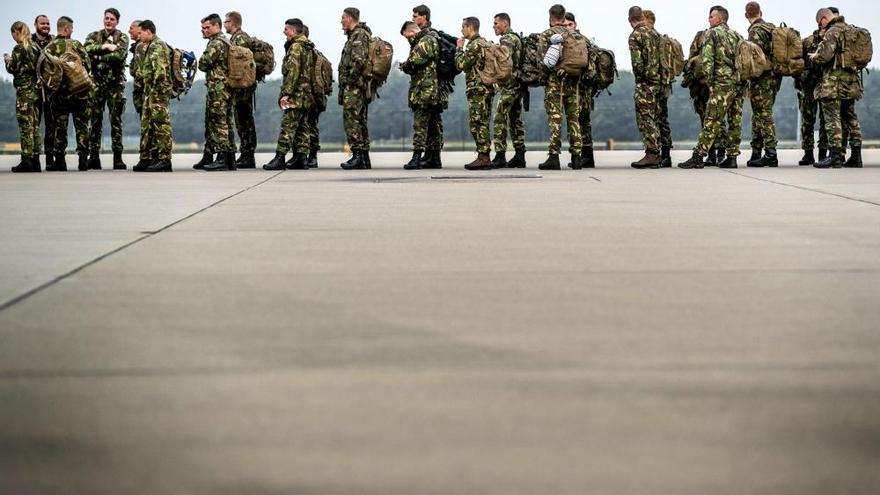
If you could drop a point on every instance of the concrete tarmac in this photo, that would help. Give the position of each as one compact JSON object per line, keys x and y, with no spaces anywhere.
{"x":441,"y":332}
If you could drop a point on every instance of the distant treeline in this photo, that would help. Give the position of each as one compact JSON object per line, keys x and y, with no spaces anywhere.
{"x":391,"y":120}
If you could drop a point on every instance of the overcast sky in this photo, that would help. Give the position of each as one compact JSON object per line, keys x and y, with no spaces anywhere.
{"x":178,"y":21}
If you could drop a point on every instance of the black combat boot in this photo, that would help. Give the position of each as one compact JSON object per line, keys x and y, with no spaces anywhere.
{"x":60,"y":163}
{"x":719,"y":155}
{"x":312,"y":160}
{"x":160,"y":166}
{"x":500,"y":160}
{"x":94,"y":160}
{"x":552,"y":163}
{"x":756,"y":155}
{"x":823,"y":154}
{"x":729,"y":162}
{"x":650,"y":160}
{"x":576,"y":162}
{"x":142,"y":165}
{"x":808,"y":158}
{"x":357,"y":161}
{"x":118,"y":164}
{"x":225,"y":163}
{"x":276,"y":163}
{"x":297,"y":162}
{"x":347,"y":165}
{"x":518,"y":160}
{"x":834,"y":160}
{"x":432,"y":160}
{"x":207,"y":159}
{"x":83,"y":162}
{"x":587,"y":158}
{"x":246,"y":160}
{"x":365,"y":158}
{"x":665,"y":157}
{"x":35,"y":163}
{"x":481,"y":163}
{"x":25,"y":166}
{"x":855,"y":158}
{"x":711,"y":158}
{"x":694,"y":162}
{"x":768,"y":160}
{"x":50,"y":161}
{"x":414,"y":162}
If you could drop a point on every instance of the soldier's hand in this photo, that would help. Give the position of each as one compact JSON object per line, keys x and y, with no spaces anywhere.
{"x":6,"y":58}
{"x":460,"y":43}
{"x":110,"y":47}
{"x":812,"y":56}
{"x":284,"y":102}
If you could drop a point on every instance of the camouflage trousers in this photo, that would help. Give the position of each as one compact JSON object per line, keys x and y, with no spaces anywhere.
{"x":663,"y":119}
{"x":49,"y":132}
{"x":841,"y":123}
{"x":810,"y":109}
{"x":156,"y":139}
{"x":62,"y":107}
{"x":700,"y":97}
{"x":724,"y":102}
{"x":479,"y":115}
{"x":313,"y":120}
{"x":294,"y":133}
{"x":427,"y":128}
{"x":647,"y":99}
{"x":137,"y":94}
{"x":762,"y":96}
{"x":585,"y":118}
{"x":509,"y":115}
{"x":114,"y":99}
{"x":355,"y":113}
{"x":243,"y":111}
{"x":28,"y":115}
{"x":562,"y":96}
{"x":218,"y":119}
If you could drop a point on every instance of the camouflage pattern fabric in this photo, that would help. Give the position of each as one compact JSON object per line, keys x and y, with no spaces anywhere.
{"x":644,"y":48}
{"x":809,"y":106}
{"x":108,"y":74}
{"x":243,"y":104}
{"x":561,"y":98}
{"x":718,"y":61}
{"x":479,"y":96}
{"x":43,"y":105}
{"x":427,"y":97}
{"x":298,"y":70}
{"x":23,"y":67}
{"x":63,"y":105}
{"x":154,"y":71}
{"x":509,"y":107}
{"x":218,"y":102}
{"x":355,"y":93}
{"x":762,"y":91}
{"x":838,"y":89}
{"x":137,"y":91}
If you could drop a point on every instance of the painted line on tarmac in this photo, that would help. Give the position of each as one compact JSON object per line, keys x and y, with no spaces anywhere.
{"x":803,"y":188}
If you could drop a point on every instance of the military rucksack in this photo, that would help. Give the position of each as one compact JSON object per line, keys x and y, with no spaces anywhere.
{"x":671,"y":59}
{"x":241,"y":70}
{"x":857,"y":50}
{"x":183,"y":71}
{"x":446,"y":67}
{"x":381,"y":54}
{"x":787,"y":51}
{"x":750,"y":61}
{"x":497,"y":66}
{"x":605,"y":68}
{"x":76,"y":78}
{"x":50,"y":71}
{"x":531,"y":65}
{"x":573,"y":59}
{"x":693,"y":69}
{"x":264,"y":58}
{"x":323,"y":80}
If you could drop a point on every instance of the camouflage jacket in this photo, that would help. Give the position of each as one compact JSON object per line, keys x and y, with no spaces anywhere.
{"x":155,"y":69}
{"x":718,"y":56}
{"x":514,"y":44}
{"x":137,"y":56}
{"x":107,"y":67}
{"x":355,"y":58}
{"x":644,"y":50}
{"x":836,"y":82}
{"x":298,"y":69}
{"x":469,"y":59}
{"x":421,"y":65}
{"x":58,"y":47}
{"x":23,"y":67}
{"x":761,"y":34}
{"x":42,"y":44}
{"x":812,"y":73}
{"x":214,"y":62}
{"x":544,"y":45}
{"x":241,"y":38}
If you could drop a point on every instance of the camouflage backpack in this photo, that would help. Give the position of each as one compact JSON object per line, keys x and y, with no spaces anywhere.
{"x":381,"y":53}
{"x":787,"y":50}
{"x":323,"y":80}
{"x":50,"y":72}
{"x":574,"y":57}
{"x":242,"y":71}
{"x":446,"y":68}
{"x":605,"y":71}
{"x":183,"y":71}
{"x":858,"y":50}
{"x":531,"y":66}
{"x":671,"y":59}
{"x":693,"y":69}
{"x":264,"y":58}
{"x":497,"y":66}
{"x":750,"y":61}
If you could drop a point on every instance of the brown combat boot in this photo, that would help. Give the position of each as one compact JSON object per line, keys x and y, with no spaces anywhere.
{"x":481,"y":163}
{"x":650,"y":160}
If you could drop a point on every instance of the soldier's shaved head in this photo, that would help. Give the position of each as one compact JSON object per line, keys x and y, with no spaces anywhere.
{"x":722,"y":13}
{"x":823,"y":13}
{"x":636,"y":14}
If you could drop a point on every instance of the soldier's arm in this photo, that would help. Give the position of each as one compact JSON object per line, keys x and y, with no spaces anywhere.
{"x":466,"y":58}
{"x":360,"y":55}
{"x":14,"y":64}
{"x":209,"y":57}
{"x":92,"y":45}
{"x":121,"y":52}
{"x":293,"y":71}
{"x":86,"y":60}
{"x":635,"y":53}
{"x":827,"y":48}
{"x":707,"y":58}
{"x":421,"y":54}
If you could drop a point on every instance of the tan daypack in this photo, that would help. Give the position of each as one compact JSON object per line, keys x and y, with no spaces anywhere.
{"x":323,"y":80}
{"x":787,"y":51}
{"x":50,"y":71}
{"x":858,"y":50}
{"x":242,"y":70}
{"x":497,"y":66}
{"x":671,"y":59}
{"x":574,"y":58}
{"x":381,"y":55}
{"x":750,"y":61}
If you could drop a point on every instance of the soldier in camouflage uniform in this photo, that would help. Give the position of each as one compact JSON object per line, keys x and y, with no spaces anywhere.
{"x":663,"y":103}
{"x":137,"y":56}
{"x":295,"y":99}
{"x":312,"y":127}
{"x":214,"y":62}
{"x":718,"y":64}
{"x":22,"y":65}
{"x":108,"y":49}
{"x":242,"y":99}
{"x":587,"y":97}
{"x":427,"y":98}
{"x":41,"y":38}
{"x":644,"y":48}
{"x":355,"y":88}
{"x":762,"y":93}
{"x":837,"y":93}
{"x":699,"y":92}
{"x":62,"y":104}
{"x":806,"y":85}
{"x":469,"y":58}
{"x":509,"y":108}
{"x":154,"y":71}
{"x":561,"y":96}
